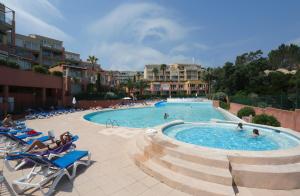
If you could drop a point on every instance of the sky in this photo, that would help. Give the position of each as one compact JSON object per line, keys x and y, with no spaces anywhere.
{"x":126,"y":35}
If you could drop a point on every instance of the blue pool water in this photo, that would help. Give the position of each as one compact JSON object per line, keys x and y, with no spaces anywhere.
{"x":153,"y":116}
{"x":227,"y":136}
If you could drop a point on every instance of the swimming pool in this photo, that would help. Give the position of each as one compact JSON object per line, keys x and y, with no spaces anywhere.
{"x":227,"y":136}
{"x":153,"y":116}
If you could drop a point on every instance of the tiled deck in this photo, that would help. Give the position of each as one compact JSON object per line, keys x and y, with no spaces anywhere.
{"x":112,"y":172}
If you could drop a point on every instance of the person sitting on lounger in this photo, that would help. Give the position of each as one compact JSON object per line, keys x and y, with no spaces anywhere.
{"x":38,"y":146}
{"x":8,"y":121}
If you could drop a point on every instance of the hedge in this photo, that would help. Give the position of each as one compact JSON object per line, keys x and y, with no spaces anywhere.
{"x":265,"y":119}
{"x":246,"y":111}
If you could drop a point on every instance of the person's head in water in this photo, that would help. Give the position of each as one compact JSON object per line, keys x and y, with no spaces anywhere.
{"x":166,"y":116}
{"x":255,"y":132}
{"x":240,"y":125}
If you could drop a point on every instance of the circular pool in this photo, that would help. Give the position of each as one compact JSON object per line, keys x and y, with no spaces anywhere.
{"x":227,"y":136}
{"x":153,"y":116}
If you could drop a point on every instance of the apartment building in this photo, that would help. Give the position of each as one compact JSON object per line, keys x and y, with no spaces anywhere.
{"x":73,"y":58}
{"x":43,"y":50}
{"x":9,"y":52}
{"x":74,"y":77}
{"x":175,"y":79}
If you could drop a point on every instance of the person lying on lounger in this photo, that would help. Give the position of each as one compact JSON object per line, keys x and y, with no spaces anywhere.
{"x":8,"y":121}
{"x":38,"y":146}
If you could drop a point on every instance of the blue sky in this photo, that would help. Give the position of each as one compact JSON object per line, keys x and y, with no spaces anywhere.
{"x":126,"y":35}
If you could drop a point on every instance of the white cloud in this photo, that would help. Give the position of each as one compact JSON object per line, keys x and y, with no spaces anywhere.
{"x":138,"y":21}
{"x":295,"y":41}
{"x":32,"y":17}
{"x":122,"y":56}
{"x":186,"y":47}
{"x":135,"y":34}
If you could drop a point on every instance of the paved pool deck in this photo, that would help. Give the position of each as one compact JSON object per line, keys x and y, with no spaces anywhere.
{"x":112,"y":172}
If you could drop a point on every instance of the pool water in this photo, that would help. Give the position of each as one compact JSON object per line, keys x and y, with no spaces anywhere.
{"x":227,"y":136}
{"x":153,"y":116}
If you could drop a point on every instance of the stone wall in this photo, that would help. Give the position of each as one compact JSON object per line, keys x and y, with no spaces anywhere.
{"x":287,"y":119}
{"x":86,"y":104}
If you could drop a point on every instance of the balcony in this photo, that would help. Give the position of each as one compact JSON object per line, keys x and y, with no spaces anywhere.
{"x":16,"y":51}
{"x":7,"y":17}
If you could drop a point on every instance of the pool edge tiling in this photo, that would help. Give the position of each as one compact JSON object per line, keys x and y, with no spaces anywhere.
{"x":150,"y":116}
{"x":226,"y":136}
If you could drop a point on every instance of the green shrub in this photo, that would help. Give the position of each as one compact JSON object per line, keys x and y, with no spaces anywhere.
{"x":40,"y":69}
{"x":262,"y":104}
{"x":246,"y":111}
{"x":57,"y":73}
{"x":10,"y":64}
{"x":265,"y":119}
{"x":13,"y":65}
{"x":224,"y":105}
{"x":220,"y":96}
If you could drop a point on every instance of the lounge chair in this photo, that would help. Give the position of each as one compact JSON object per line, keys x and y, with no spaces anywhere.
{"x":15,"y":143}
{"x":50,"y":153}
{"x":49,"y":170}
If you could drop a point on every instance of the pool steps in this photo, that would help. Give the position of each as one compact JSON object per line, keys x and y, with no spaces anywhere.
{"x":276,"y":177}
{"x":196,"y":178}
{"x":208,"y":173}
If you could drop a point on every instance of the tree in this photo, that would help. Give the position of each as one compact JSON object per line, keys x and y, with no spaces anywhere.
{"x":142,"y":85}
{"x":40,"y":69}
{"x":155,"y":72}
{"x":93,"y":60}
{"x":285,"y":56}
{"x":130,"y":86}
{"x":163,"y":67}
{"x":98,"y":82}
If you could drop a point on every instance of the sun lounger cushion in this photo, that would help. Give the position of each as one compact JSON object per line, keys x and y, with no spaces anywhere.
{"x":70,"y":158}
{"x":42,"y":139}
{"x":27,"y":135}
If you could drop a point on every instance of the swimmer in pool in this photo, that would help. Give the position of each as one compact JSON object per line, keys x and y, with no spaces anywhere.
{"x":255,"y":133}
{"x":240,"y":126}
{"x":166,"y":116}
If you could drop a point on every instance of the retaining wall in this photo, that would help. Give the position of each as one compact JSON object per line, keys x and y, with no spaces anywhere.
{"x":86,"y":104}
{"x":287,"y":119}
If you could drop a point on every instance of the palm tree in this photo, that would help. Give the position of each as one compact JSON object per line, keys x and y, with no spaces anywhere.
{"x":208,"y":77}
{"x":155,"y":72}
{"x":141,"y":85}
{"x":130,"y":85}
{"x":163,"y":67}
{"x":93,"y":60}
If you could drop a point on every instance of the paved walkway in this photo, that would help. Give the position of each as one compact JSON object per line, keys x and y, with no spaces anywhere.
{"x":112,"y":172}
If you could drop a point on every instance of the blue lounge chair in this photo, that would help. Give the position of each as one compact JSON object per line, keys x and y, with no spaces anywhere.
{"x":69,"y":146}
{"x":50,"y":170}
{"x":16,"y":143}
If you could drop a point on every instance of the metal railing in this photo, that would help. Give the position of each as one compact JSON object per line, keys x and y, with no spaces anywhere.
{"x":111,"y":123}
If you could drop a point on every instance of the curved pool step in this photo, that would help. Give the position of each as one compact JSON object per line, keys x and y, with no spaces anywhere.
{"x":276,"y":177}
{"x":262,"y":160}
{"x":195,"y":170}
{"x":185,"y":183}
{"x":210,"y":159}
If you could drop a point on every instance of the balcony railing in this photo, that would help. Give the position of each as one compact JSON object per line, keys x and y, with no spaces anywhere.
{"x":17,"y":51}
{"x":7,"y":16}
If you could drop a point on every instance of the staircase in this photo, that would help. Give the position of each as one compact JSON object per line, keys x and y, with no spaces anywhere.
{"x":212,"y":172}
{"x":190,"y":172}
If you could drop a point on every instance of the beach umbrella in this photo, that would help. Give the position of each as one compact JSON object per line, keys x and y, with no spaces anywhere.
{"x":74,"y":101}
{"x":127,"y":98}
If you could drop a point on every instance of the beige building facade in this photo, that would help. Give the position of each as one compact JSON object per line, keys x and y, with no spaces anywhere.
{"x":175,"y":79}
